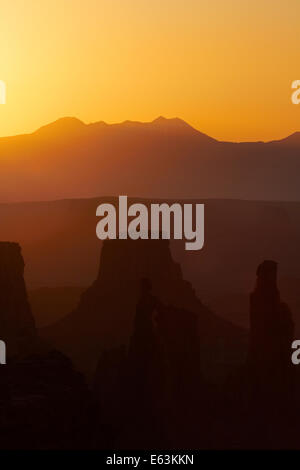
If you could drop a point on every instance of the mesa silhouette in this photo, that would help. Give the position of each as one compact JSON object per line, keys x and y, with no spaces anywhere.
{"x":104,"y":317}
{"x":163,"y":158}
{"x":153,"y":391}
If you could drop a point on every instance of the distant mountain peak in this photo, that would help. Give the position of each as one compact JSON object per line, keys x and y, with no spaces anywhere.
{"x":62,"y":125}
{"x":179,"y":126}
{"x":170,"y":121}
{"x":160,"y":119}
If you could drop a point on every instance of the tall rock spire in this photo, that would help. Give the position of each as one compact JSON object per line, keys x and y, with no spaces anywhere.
{"x":17,"y":327}
{"x":271,"y":331}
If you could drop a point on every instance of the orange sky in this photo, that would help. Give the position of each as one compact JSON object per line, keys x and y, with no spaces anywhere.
{"x":225,"y":66}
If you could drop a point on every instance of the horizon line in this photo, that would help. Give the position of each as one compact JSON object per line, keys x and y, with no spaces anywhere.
{"x":147,"y":199}
{"x":159,"y":118}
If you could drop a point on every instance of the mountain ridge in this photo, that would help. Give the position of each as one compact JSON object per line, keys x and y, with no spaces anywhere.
{"x":165,"y":158}
{"x":68,"y":123}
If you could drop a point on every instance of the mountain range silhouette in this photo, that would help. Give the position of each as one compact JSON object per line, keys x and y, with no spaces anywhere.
{"x":162,"y":158}
{"x":175,"y":352}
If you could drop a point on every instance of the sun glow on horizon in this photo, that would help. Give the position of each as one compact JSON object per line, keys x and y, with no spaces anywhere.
{"x":223,"y":66}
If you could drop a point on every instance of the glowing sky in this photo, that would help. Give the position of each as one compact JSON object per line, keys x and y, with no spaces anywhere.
{"x":225,"y":66}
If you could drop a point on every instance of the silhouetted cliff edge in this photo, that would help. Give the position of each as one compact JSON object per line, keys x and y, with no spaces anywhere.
{"x":44,"y":402}
{"x":17,"y":327}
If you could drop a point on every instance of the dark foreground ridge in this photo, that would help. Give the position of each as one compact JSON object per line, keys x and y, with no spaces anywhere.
{"x":44,"y":403}
{"x":157,"y":355}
